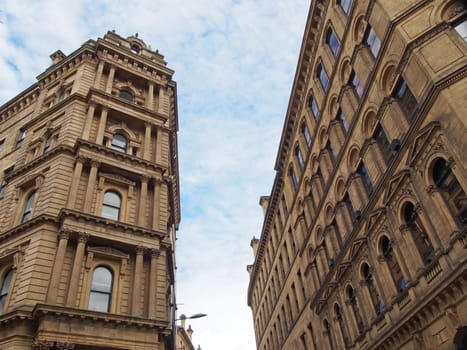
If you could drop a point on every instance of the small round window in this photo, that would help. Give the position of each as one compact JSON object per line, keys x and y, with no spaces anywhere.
{"x":127,"y":95}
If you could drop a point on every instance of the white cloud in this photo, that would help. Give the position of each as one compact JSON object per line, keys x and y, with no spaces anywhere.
{"x":234,"y":63}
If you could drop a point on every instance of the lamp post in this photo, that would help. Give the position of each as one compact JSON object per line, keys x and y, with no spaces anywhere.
{"x":182,"y":318}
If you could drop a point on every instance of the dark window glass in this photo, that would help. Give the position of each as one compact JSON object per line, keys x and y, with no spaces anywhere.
{"x":314,"y":108}
{"x":111,"y":205}
{"x":332,"y":41}
{"x":61,"y":96}
{"x":47,"y":144}
{"x":2,"y":143}
{"x":447,"y":182}
{"x":127,"y":95}
{"x":21,"y":136}
{"x":330,"y":150}
{"x":4,"y":182}
{"x":349,"y":204}
{"x":422,"y":241}
{"x":5,"y":288}
{"x":346,"y":5}
{"x":405,"y":97}
{"x":119,"y":143}
{"x":343,"y":119}
{"x":306,"y":134}
{"x":323,"y":77}
{"x":355,"y":82}
{"x":101,"y":290}
{"x":365,"y":177}
{"x":27,"y":211}
{"x":293,"y":177}
{"x":372,"y":40}
{"x":299,"y":156}
{"x":383,"y":143}
{"x":135,"y":48}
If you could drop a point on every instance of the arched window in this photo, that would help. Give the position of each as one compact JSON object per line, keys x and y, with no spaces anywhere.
{"x":393,"y":264}
{"x":346,"y":5}
{"x":327,"y":334}
{"x":293,"y":177}
{"x":298,"y":155}
{"x":382,"y":140}
{"x":452,"y":191}
{"x":135,"y":48}
{"x":323,"y":77}
{"x":355,"y":308}
{"x":111,"y":205}
{"x":374,"y":295}
{"x":5,"y":287}
{"x":341,"y":324}
{"x":306,"y":134}
{"x":101,"y":289}
{"x":27,"y":210}
{"x":422,"y":241}
{"x":119,"y":143}
{"x":125,"y":94}
{"x":332,"y":41}
{"x":314,"y":107}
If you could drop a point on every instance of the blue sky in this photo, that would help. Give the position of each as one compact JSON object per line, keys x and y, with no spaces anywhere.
{"x":234,"y":64}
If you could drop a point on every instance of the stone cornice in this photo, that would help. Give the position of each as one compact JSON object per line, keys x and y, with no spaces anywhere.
{"x":34,"y":222}
{"x":44,"y":310}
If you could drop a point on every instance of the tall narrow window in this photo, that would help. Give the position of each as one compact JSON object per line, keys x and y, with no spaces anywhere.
{"x":293,"y":177}
{"x":5,"y":287}
{"x":363,"y":172}
{"x":332,"y":41}
{"x":306,"y":134}
{"x":323,"y":77}
{"x":422,"y":241}
{"x":298,"y":155}
{"x":47,"y":143}
{"x":355,"y":82}
{"x":111,"y":205}
{"x":355,"y":308}
{"x":330,"y":150}
{"x":405,"y":97}
{"x":101,"y":289}
{"x":314,"y":107}
{"x":21,"y":137}
{"x":346,"y":5}
{"x":349,"y":205}
{"x":119,"y":143}
{"x":452,"y":191}
{"x":372,"y":40}
{"x":4,"y":182}
{"x":28,"y":205}
{"x":393,"y":264}
{"x":126,"y":95}
{"x":374,"y":295}
{"x":381,"y":139}
{"x":341,"y":116}
{"x":461,"y":28}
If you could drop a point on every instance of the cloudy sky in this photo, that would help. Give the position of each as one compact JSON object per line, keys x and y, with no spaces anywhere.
{"x":234,"y":63}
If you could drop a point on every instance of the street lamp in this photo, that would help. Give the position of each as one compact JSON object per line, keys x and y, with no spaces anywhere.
{"x":182,"y":318}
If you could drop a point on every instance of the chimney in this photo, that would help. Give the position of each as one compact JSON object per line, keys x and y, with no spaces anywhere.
{"x":264,"y":202}
{"x":254,"y":244}
{"x":189,"y":331}
{"x":182,"y":320}
{"x":57,"y":56}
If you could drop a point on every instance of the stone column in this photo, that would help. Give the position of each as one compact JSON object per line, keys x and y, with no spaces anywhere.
{"x":309,"y":210}
{"x":76,"y":269}
{"x":322,"y":262}
{"x":137,"y":278}
{"x":143,"y":200}
{"x":158,"y":150}
{"x":100,"y":69}
{"x":153,"y":284}
{"x":88,"y":121}
{"x":57,"y":267}
{"x":369,"y":311}
{"x":110,"y":80}
{"x":411,"y":251}
{"x":150,"y":96}
{"x":102,"y":125}
{"x":353,"y":324}
{"x":390,"y":289}
{"x":162,"y":100}
{"x":71,"y":203}
{"x":401,"y":261}
{"x":147,"y":141}
{"x":156,"y":205}
{"x":91,"y":186}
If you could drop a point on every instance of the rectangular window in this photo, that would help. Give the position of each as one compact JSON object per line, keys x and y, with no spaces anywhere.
{"x":2,"y":142}
{"x":333,"y":42}
{"x":323,"y":77}
{"x":314,"y":108}
{"x":346,"y":6}
{"x":343,"y":119}
{"x":406,"y":98}
{"x":365,"y":177}
{"x":461,"y":28}
{"x":355,"y":82}
{"x":293,"y":177}
{"x":383,"y":143}
{"x":306,"y":134}
{"x":372,"y":40}
{"x":21,"y":136}
{"x":4,"y":182}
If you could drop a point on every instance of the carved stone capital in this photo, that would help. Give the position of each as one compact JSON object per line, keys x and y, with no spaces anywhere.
{"x":155,"y":253}
{"x":64,"y":234}
{"x":95,"y":164}
{"x":140,"y":250}
{"x":83,"y":237}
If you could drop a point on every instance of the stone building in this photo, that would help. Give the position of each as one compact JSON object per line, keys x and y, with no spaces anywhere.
{"x":364,"y":239}
{"x":89,"y":202}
